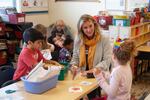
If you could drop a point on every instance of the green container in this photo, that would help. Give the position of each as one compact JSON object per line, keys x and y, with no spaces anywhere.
{"x":61,"y":75}
{"x":63,"y":71}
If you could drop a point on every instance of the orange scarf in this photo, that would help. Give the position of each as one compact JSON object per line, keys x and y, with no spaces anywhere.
{"x":91,"y":52}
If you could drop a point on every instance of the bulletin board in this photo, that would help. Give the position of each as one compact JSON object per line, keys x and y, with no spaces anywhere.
{"x":115,"y":4}
{"x":34,"y":6}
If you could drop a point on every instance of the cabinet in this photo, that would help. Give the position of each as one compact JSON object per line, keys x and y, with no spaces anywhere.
{"x":140,"y":32}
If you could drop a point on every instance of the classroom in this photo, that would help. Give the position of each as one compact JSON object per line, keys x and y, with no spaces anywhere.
{"x":75,"y":49}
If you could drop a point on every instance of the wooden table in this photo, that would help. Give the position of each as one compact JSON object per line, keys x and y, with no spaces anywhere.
{"x":60,"y":92}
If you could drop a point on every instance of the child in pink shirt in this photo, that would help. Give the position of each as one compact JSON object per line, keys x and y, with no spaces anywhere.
{"x":30,"y":55}
{"x":120,"y":81}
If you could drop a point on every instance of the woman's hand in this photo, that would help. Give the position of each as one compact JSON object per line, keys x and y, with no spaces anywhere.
{"x":84,"y":73}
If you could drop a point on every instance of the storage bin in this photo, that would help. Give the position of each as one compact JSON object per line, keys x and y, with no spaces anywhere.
{"x":16,"y":18}
{"x":39,"y":87}
{"x":63,"y":71}
{"x":10,"y":15}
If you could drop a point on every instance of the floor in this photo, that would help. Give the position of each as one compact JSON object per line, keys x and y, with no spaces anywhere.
{"x":141,"y":86}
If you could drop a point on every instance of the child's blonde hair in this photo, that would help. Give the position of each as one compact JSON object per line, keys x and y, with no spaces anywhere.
{"x":41,"y":28}
{"x":125,"y":51}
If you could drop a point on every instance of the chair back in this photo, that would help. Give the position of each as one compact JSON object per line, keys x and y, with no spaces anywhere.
{"x":6,"y":74}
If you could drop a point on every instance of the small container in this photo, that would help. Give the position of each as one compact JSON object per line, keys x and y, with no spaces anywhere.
{"x":40,"y":87}
{"x":10,"y":15}
{"x":63,"y":71}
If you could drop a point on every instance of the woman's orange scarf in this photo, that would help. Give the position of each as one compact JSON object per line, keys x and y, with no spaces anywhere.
{"x":91,"y":52}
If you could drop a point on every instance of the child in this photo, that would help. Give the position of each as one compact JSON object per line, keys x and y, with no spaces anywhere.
{"x":30,"y":55}
{"x":41,"y":28}
{"x":119,"y":86}
{"x":65,"y":52}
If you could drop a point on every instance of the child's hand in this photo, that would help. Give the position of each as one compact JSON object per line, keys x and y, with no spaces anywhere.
{"x":74,"y":70}
{"x":59,"y":43}
{"x":96,"y":71}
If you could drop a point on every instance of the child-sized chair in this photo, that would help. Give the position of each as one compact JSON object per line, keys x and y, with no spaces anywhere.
{"x":6,"y":74}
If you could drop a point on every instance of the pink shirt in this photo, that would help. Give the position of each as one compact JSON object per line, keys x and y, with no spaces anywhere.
{"x":119,"y":86}
{"x":26,"y":60}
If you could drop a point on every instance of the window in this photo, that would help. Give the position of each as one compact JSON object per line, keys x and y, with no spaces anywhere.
{"x":7,"y":3}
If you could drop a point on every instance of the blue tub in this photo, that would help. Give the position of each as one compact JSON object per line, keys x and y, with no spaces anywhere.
{"x":40,"y":87}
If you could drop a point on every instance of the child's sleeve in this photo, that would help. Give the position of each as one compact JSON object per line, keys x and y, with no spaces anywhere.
{"x":111,"y":88}
{"x":40,"y":56}
{"x":106,"y":75}
{"x":29,"y":60}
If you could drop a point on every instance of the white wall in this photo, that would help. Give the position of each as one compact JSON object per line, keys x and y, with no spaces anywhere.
{"x":69,"y":11}
{"x":38,"y":19}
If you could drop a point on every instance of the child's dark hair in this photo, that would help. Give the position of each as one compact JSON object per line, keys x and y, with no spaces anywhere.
{"x":68,"y":40}
{"x":32,"y":34}
{"x":126,"y":50}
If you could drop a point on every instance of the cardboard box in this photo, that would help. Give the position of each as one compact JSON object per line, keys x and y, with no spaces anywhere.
{"x":10,"y":15}
{"x":17,"y":18}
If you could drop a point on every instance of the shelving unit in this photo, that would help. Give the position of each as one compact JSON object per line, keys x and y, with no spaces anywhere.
{"x":11,"y":38}
{"x":140,"y":32}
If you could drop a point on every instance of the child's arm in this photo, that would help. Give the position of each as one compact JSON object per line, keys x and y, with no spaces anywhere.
{"x":51,"y":46}
{"x":106,"y":75}
{"x":111,"y":88}
{"x":29,"y":60}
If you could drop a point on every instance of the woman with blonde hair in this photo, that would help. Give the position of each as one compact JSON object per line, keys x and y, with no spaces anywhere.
{"x":91,"y":49}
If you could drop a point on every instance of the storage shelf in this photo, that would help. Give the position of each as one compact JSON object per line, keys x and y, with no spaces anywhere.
{"x":140,"y":24}
{"x":139,"y":35}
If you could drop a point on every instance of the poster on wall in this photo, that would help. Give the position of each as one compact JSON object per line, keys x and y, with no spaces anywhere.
{"x":34,"y":6}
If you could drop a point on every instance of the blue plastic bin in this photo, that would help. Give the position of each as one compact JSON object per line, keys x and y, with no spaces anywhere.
{"x":40,"y":87}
